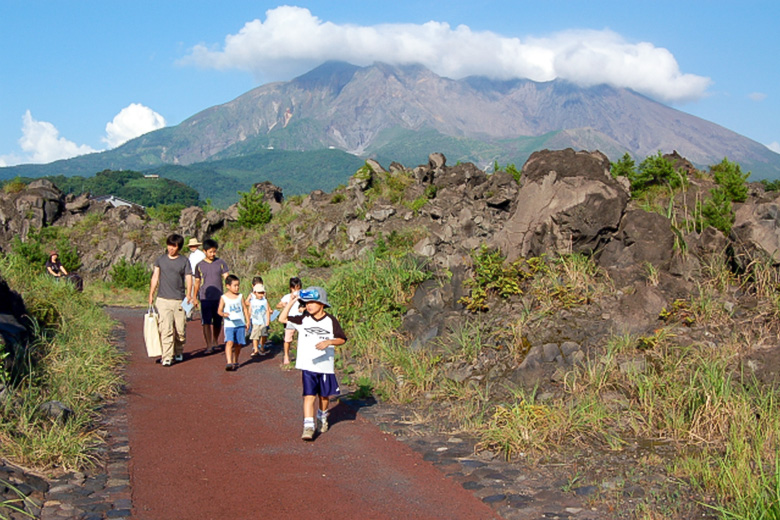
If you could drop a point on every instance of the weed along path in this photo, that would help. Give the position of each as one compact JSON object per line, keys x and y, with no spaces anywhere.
{"x":210,"y":444}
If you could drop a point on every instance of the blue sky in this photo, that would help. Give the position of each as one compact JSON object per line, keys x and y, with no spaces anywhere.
{"x":82,"y":76}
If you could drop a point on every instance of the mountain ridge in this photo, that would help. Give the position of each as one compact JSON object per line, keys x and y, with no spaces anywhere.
{"x":356,"y":108}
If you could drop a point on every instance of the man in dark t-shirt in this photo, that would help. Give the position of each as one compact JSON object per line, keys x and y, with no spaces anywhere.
{"x":172,"y":279}
{"x":210,"y":274}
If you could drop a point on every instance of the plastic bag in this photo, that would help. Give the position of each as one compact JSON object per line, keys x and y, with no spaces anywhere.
{"x":152,"y":332}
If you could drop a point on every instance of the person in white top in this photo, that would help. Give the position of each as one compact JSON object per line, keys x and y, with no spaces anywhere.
{"x":295,"y":310}
{"x":233,"y":308}
{"x":196,"y":254}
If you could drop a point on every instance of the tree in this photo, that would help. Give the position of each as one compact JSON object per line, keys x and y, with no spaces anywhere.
{"x":253,"y":211}
{"x":729,"y":176}
{"x":625,"y":167}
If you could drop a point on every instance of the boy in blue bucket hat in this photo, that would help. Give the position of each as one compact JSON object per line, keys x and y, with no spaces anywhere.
{"x":318,"y":335}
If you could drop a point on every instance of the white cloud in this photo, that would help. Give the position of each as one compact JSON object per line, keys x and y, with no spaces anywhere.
{"x":41,"y":142}
{"x":292,"y":40}
{"x":757,"y":96}
{"x":775,"y":147}
{"x":131,"y":122}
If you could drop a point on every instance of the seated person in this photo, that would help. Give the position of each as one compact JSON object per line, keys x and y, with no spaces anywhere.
{"x":57,"y":270}
{"x":54,"y":267}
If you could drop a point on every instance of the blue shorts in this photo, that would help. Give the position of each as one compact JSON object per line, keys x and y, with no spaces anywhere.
{"x":236,"y":335}
{"x":324,"y":385}
{"x":208,"y":312}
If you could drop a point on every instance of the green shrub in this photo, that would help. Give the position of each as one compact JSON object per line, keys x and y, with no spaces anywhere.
{"x":167,"y":213}
{"x":656,"y":170}
{"x":491,"y":276}
{"x":716,"y":211}
{"x":771,"y":185}
{"x":625,"y":167}
{"x":728,"y":175}
{"x":315,"y":258}
{"x":130,"y":275}
{"x":253,"y":211}
{"x":39,"y":244}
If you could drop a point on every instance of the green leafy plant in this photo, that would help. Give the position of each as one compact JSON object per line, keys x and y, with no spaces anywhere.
{"x":167,"y":213}
{"x":130,"y":275}
{"x":491,"y":276}
{"x":624,"y":167}
{"x":315,"y":258}
{"x":253,"y":211}
{"x":656,"y":170}
{"x":728,"y":175}
{"x":716,"y":211}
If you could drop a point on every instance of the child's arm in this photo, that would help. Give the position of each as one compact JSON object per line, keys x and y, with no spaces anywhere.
{"x":196,"y":290}
{"x":286,"y":310}
{"x":245,"y":308}
{"x":267,"y":316}
{"x":221,"y":309}
{"x":322,"y":345}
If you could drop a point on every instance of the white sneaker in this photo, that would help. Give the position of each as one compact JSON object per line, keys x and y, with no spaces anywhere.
{"x":308,"y":433}
{"x":322,"y":424}
{"x":167,"y":362}
{"x":178,"y":357}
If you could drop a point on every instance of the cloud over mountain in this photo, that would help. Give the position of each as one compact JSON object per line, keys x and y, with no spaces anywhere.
{"x":132,"y":121}
{"x":291,"y":40}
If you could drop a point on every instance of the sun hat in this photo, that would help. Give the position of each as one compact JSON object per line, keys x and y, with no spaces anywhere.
{"x":194,"y":242}
{"x":258,"y":288}
{"x":314,"y":294}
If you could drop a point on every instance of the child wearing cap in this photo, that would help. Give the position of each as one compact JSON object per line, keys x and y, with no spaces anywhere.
{"x":260,"y":312}
{"x":318,"y":335}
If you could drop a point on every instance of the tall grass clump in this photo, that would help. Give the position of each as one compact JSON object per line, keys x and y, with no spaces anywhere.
{"x":369,"y":297}
{"x":71,"y":361}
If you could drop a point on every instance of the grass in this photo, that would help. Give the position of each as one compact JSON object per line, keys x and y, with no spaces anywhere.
{"x":72,"y":361}
{"x":15,"y":505}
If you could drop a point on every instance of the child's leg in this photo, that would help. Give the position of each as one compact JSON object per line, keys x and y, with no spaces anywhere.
{"x":254,"y":346}
{"x":229,"y":352}
{"x":236,"y":351}
{"x":263,"y":339}
{"x":309,"y":406}
{"x":324,"y":403}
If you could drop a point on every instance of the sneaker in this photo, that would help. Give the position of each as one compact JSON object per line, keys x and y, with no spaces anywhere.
{"x":229,"y":367}
{"x":322,"y":424}
{"x":308,"y":433}
{"x":178,"y":357}
{"x":263,"y":352}
{"x":167,"y":362}
{"x":235,"y":366}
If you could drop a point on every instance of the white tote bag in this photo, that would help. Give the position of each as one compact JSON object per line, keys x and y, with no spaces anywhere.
{"x":152,"y":332}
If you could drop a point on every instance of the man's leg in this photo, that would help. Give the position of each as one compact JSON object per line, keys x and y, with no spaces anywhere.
{"x":166,"y":308}
{"x":180,"y":335}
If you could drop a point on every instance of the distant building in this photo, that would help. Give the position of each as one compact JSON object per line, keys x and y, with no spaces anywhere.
{"x":116,"y":201}
{"x":151,"y":176}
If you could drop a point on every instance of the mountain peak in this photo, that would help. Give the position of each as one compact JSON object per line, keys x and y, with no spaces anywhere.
{"x":332,"y":75}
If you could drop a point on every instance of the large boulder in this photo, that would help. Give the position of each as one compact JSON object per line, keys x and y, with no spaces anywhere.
{"x":643,"y":238}
{"x":272,"y":195}
{"x":756,"y":232}
{"x":568,"y":202}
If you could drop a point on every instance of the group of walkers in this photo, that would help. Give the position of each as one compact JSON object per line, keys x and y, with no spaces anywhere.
{"x":182,"y":283}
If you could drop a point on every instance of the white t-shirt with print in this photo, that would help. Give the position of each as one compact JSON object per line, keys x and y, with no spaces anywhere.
{"x":234,"y":310}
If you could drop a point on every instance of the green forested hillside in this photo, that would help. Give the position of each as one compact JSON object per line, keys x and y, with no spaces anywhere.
{"x":294,"y":172}
{"x":129,"y":185}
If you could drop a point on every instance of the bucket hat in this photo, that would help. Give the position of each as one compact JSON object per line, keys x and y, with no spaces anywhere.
{"x":314,"y":294}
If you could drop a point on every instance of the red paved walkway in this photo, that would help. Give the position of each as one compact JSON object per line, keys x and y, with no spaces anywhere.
{"x":209,"y":444}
